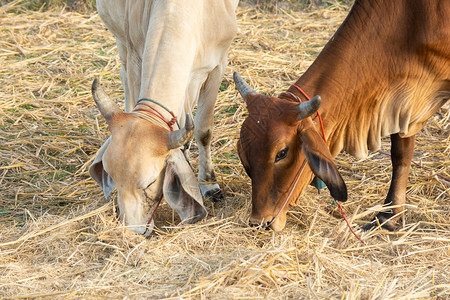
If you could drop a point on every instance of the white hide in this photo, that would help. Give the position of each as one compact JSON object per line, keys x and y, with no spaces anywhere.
{"x":174,"y":52}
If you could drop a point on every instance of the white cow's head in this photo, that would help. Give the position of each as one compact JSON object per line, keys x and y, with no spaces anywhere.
{"x":144,"y":161}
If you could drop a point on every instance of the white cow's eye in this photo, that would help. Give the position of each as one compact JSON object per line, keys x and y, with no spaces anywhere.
{"x":281,"y":154}
{"x":150,"y":184}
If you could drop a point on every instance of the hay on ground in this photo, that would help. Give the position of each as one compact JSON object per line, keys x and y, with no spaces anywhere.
{"x":60,"y":238}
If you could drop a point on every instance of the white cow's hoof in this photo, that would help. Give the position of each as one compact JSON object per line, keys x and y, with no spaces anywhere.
{"x":211,"y":191}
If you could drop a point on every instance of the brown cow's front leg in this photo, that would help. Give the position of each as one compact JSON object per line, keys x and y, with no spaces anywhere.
{"x":402,"y":150}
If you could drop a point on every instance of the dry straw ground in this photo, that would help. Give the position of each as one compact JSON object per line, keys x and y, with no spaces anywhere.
{"x":60,"y":238}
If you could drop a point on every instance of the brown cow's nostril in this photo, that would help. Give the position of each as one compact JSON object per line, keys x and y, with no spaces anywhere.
{"x":253,"y":224}
{"x":260,"y":225}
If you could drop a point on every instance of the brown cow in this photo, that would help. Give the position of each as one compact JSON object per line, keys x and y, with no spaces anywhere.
{"x":386,"y":71}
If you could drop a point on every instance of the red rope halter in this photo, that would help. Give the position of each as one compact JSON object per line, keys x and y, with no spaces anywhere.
{"x":318,"y":115}
{"x":301,"y":170}
{"x":156,"y":113}
{"x":169,"y":123}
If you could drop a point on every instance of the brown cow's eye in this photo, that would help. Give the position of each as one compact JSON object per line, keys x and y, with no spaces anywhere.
{"x":281,"y":154}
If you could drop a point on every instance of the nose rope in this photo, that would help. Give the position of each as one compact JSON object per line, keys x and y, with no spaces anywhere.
{"x":288,"y":196}
{"x":298,"y":176}
{"x":303,"y":165}
{"x":153,"y":215}
{"x":170,"y":123}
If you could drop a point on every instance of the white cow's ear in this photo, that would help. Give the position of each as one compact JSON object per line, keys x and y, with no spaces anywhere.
{"x":99,"y":174}
{"x":181,"y":189}
{"x":321,"y":163}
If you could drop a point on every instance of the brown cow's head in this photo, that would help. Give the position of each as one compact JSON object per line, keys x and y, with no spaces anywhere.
{"x":144,"y":161}
{"x":278,"y":141}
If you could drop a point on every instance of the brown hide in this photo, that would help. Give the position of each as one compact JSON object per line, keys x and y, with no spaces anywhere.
{"x":272,"y":157}
{"x":385,"y":72}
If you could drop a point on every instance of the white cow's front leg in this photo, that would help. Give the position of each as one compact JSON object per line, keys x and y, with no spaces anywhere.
{"x":206,"y":176}
{"x":204,"y":120}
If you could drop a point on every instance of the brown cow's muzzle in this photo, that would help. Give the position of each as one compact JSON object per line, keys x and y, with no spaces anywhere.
{"x":274,"y":222}
{"x":260,"y":223}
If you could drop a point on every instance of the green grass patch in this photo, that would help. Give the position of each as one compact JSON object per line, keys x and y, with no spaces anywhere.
{"x":28,"y":106}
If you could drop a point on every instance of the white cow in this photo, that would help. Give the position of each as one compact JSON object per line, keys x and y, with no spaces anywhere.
{"x":172,"y":52}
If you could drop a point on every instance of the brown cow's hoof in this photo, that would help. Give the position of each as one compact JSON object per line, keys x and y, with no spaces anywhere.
{"x":381,"y":219}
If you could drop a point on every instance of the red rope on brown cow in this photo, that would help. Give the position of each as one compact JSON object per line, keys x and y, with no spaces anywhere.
{"x":348,"y":223}
{"x":324,"y":139}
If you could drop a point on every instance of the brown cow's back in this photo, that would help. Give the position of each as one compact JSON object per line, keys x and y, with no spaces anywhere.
{"x":385,"y":71}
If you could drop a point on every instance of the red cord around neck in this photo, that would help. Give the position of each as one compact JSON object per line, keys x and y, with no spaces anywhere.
{"x":320,"y":118}
{"x":170,"y":123}
{"x":323,"y":134}
{"x":156,"y":113}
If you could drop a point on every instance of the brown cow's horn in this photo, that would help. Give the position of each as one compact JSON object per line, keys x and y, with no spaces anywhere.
{"x":308,"y":108}
{"x":105,"y":105}
{"x":180,"y":137}
{"x":242,"y":86}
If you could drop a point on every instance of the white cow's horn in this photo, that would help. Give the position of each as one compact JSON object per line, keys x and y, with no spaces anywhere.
{"x":180,"y":137}
{"x":305,"y":109}
{"x":105,"y":105}
{"x":242,"y":86}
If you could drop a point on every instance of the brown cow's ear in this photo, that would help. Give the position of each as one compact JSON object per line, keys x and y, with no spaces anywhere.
{"x":321,"y":163}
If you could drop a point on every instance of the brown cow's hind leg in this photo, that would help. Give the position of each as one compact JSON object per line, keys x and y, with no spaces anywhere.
{"x":402,"y":150}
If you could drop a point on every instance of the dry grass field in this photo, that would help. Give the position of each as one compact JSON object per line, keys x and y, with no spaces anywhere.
{"x":59,"y":237}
